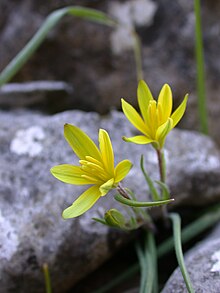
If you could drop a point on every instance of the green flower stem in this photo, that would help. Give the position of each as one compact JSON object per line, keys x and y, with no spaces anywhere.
{"x":178,"y":248}
{"x":201,"y":91}
{"x":192,"y":230}
{"x":162,"y":165}
{"x":162,"y":170}
{"x":47,"y":278}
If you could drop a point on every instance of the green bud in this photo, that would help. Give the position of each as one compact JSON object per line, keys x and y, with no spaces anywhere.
{"x":114,"y":218}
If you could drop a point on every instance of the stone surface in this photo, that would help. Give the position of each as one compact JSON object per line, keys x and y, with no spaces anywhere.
{"x":99,"y":61}
{"x":31,"y":200}
{"x":42,"y":95}
{"x":203,"y":266}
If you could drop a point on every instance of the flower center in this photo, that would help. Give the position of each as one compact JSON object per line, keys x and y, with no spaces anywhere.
{"x":93,"y":170}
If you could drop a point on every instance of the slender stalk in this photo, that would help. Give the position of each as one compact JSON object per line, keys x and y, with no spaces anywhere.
{"x":178,"y":249}
{"x":162,"y":165}
{"x":162,"y":170}
{"x":201,"y":91}
{"x":47,"y":278}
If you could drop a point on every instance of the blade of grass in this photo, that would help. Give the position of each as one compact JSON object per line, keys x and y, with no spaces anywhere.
{"x":178,"y":249}
{"x":24,"y":55}
{"x":201,"y":91}
{"x":195,"y":228}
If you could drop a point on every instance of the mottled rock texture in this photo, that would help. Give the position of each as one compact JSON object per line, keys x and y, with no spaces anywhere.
{"x":31,"y":201}
{"x":99,"y":61}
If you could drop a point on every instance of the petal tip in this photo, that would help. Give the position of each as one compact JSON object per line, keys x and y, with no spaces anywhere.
{"x":124,"y":138}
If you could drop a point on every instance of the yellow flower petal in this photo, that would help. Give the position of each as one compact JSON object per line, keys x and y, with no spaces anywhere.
{"x":163,"y":130}
{"x":178,"y":113}
{"x":83,"y":203}
{"x":106,"y":151}
{"x":133,"y":116}
{"x":69,"y":174}
{"x":80,"y":142}
{"x":122,"y":169}
{"x":144,"y":96}
{"x":104,"y":188}
{"x":166,"y":101}
{"x":139,"y":139}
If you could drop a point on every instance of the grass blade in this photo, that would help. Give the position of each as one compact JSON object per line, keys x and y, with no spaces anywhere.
{"x":178,"y":249}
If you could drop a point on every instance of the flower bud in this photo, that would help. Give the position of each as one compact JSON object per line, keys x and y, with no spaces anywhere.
{"x":114,"y":218}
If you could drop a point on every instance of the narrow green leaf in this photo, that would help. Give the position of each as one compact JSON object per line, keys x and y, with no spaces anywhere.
{"x":176,"y":220}
{"x":140,"y":204}
{"x":151,"y":260}
{"x":91,"y":14}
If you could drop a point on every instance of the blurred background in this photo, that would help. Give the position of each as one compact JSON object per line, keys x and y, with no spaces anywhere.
{"x":96,"y":63}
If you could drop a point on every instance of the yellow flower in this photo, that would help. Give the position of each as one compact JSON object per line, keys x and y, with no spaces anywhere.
{"x":96,"y":168}
{"x":157,"y":120}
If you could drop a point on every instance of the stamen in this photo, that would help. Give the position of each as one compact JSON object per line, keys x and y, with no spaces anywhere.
{"x":91,"y":179}
{"x":96,"y":167}
{"x":83,"y":162}
{"x":93,"y":160}
{"x":96,"y":174}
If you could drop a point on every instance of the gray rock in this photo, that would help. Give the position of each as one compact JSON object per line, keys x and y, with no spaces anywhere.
{"x":42,"y":95}
{"x":203,"y":266}
{"x":31,"y":200}
{"x":99,"y":61}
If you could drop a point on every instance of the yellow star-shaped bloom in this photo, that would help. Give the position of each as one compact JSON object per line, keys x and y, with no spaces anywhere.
{"x":157,"y":120}
{"x":96,"y":168}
